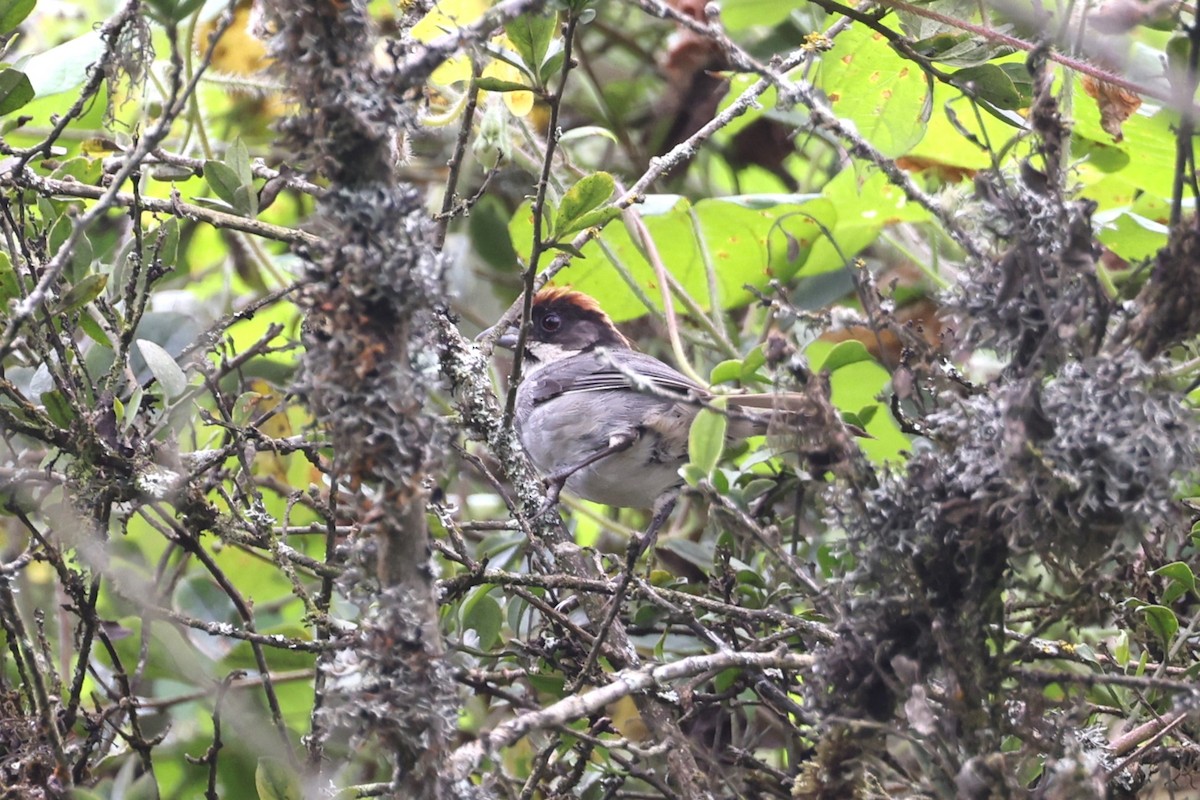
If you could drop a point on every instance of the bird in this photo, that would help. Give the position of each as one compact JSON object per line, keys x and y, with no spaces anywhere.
{"x":604,"y":421}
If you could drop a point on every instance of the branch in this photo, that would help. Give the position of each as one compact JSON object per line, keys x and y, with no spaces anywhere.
{"x":628,"y":682}
{"x":175,"y":207}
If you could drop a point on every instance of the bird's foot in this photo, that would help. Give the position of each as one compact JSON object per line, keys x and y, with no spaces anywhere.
{"x":553,"y":489}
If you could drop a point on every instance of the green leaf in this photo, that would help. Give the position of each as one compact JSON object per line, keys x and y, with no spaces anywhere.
{"x":530,"y":35}
{"x":887,"y":97}
{"x":199,"y":596}
{"x":57,"y":408}
{"x":223,"y":179}
{"x":229,"y":185}
{"x":596,"y":218}
{"x":1018,"y":73}
{"x":867,"y":413}
{"x":9,"y":288}
{"x":241,"y":655}
{"x":567,"y":247}
{"x":726,"y":372}
{"x":132,"y":408}
{"x":82,"y":169}
{"x":245,"y":200}
{"x":482,"y":614}
{"x":743,"y":14}
{"x":706,"y":437}
{"x":145,"y":787}
{"x":587,"y":194}
{"x":958,"y":49}
{"x":744,"y":240}
{"x":856,"y":386}
{"x":843,"y":354}
{"x":990,"y":83}
{"x":15,"y":90}
{"x":1121,"y":650}
{"x":756,"y":488}
{"x":1181,"y":580}
{"x":171,"y":654}
{"x":232,"y":180}
{"x":275,"y":780}
{"x":63,"y":68}
{"x":865,"y":204}
{"x":163,"y":367}
{"x":238,"y":157}
{"x":518,"y":608}
{"x":1177,"y":51}
{"x":941,"y":45}
{"x":551,"y":66}
{"x":549,"y":685}
{"x":84,"y":292}
{"x":1149,"y":144}
{"x":1162,"y":621}
{"x":751,"y":363}
{"x":174,"y":10}
{"x":490,"y":84}
{"x":13,"y":12}
{"x":851,"y":418}
{"x":692,"y":474}
{"x":1086,"y":653}
{"x":584,"y":131}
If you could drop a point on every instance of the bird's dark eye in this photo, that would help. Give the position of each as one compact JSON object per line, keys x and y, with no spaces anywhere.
{"x":551,"y":322}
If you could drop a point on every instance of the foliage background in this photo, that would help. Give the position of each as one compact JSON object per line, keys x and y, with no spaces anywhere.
{"x":266,"y":530}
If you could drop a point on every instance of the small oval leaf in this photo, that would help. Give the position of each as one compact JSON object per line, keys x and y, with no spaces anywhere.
{"x":1181,"y":578}
{"x":163,"y":367}
{"x":84,"y":292}
{"x":1162,"y":621}
{"x":845,"y":353}
{"x":15,"y":90}
{"x":482,"y":614}
{"x":584,"y":196}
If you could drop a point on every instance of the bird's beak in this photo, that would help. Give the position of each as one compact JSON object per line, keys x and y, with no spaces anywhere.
{"x":507,"y":340}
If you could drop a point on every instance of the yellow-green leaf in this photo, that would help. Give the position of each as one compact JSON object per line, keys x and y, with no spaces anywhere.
{"x":275,"y":780}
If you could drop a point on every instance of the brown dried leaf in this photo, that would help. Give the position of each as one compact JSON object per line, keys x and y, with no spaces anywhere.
{"x":948,"y":173}
{"x":1116,"y":103}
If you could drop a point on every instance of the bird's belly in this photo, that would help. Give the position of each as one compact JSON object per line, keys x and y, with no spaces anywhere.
{"x":631,"y":478}
{"x":627,"y":479}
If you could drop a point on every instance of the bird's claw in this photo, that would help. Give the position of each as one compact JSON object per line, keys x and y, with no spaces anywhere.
{"x":553,"y":489}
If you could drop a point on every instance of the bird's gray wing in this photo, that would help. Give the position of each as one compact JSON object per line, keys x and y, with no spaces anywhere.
{"x":594,"y":372}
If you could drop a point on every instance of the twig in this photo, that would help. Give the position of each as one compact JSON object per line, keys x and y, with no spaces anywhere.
{"x":210,"y":755}
{"x":456,"y":159}
{"x":539,"y":211}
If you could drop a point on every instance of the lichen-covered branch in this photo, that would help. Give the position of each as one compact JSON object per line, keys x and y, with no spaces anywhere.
{"x":366,"y":373}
